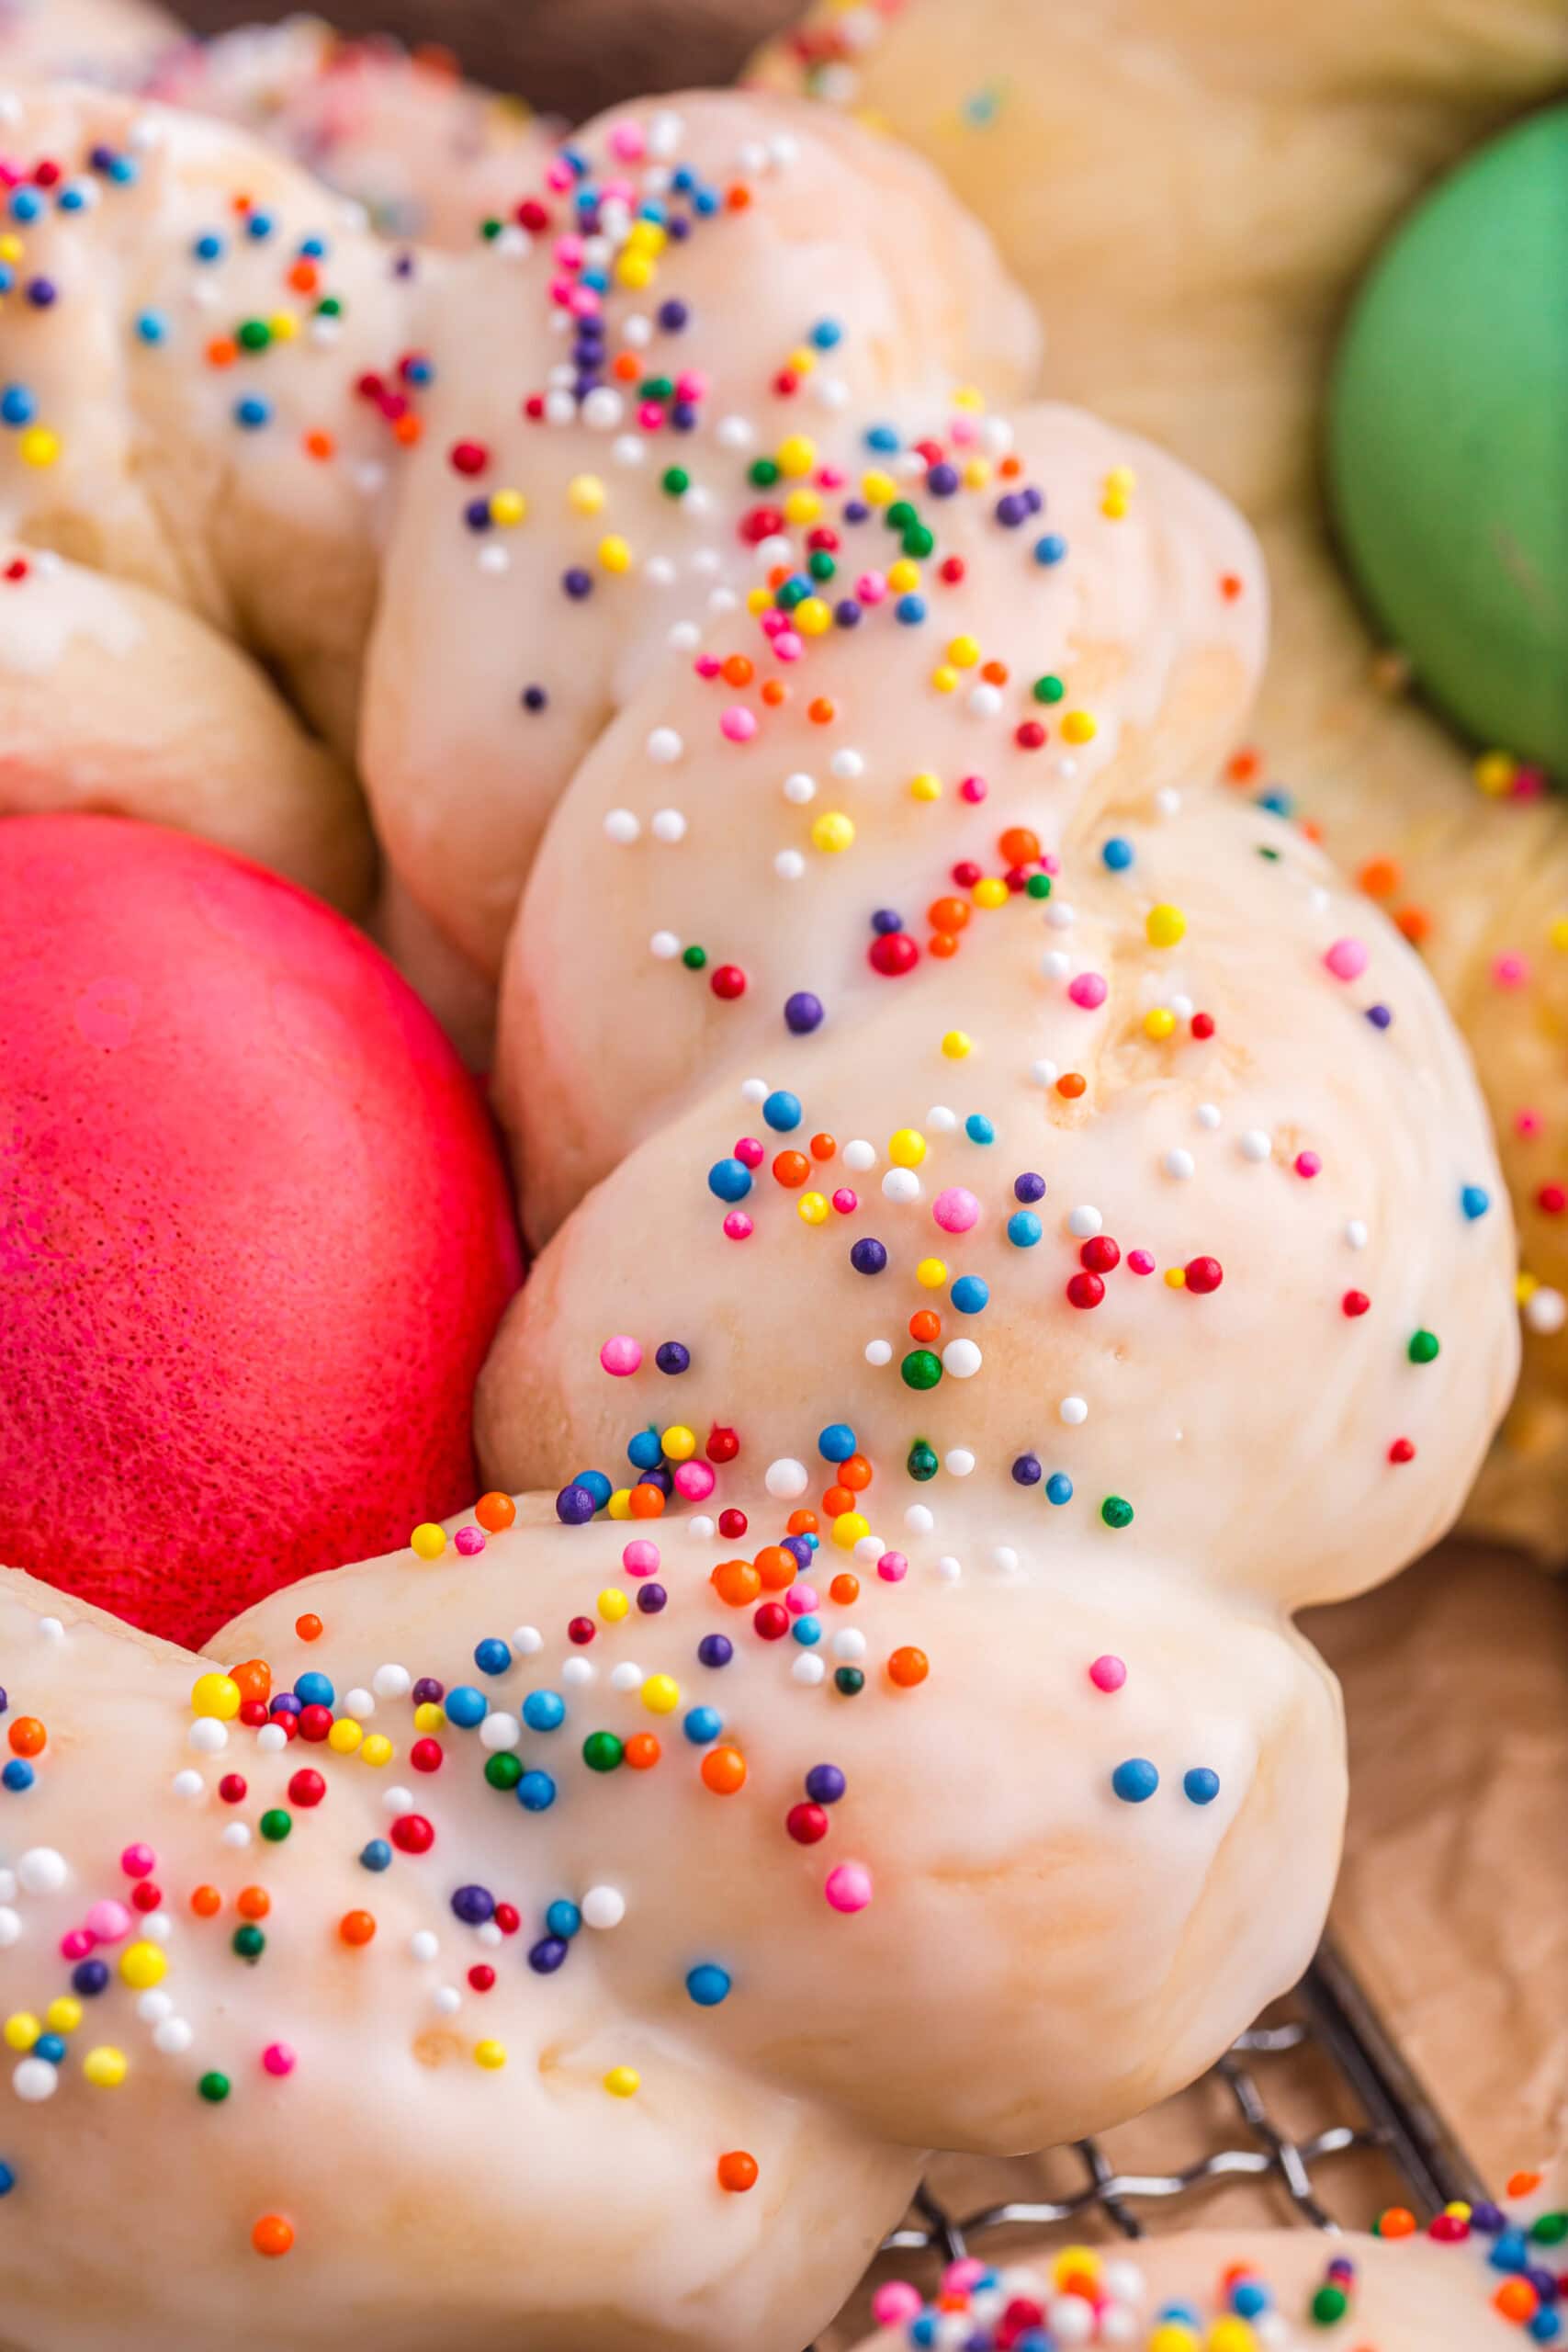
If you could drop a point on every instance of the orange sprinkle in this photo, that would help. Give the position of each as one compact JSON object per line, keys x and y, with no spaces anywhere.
{"x":1380,"y":877}
{"x":1071,"y":1084}
{"x":925,"y":1324}
{"x":646,"y":1501}
{"x":942,"y":944}
{"x":949,"y":914}
{"x":304,"y":277}
{"x":995,"y":674}
{"x":205,"y":1901}
{"x":739,"y":198}
{"x":627,"y":367}
{"x":357,"y":1927}
{"x":1231,"y":585}
{"x":320,"y":446}
{"x":272,"y":2235}
{"x":222,"y":351}
{"x":844,"y":1590}
{"x":1019,"y":845}
{"x":738,"y":2172}
{"x":737,"y":670}
{"x":724,"y":1770}
{"x":737,"y":1582}
{"x":775,"y":1567}
{"x":495,"y":1511}
{"x":1523,"y":2184}
{"x":823,"y":1147}
{"x":856,"y":1473}
{"x":837,"y":1502}
{"x":27,"y":1736}
{"x":1010,"y":468}
{"x":252,"y":1679}
{"x":309,"y":1627}
{"x":643,"y":1751}
{"x":241,"y":203}
{"x":907,"y":1667}
{"x":775,"y":692}
{"x":253,"y":1903}
{"x":802,"y":1522}
{"x":1517,"y":2298}
{"x":790,"y":1168}
{"x":821,"y":712}
{"x":1397,"y":2223}
{"x":407,"y":431}
{"x":1416,"y":923}
{"x":1242,"y":767}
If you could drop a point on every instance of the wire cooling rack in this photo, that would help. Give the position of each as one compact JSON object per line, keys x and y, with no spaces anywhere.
{"x":1312,"y":2106}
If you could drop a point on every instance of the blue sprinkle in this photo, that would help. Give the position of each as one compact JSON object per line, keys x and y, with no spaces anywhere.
{"x":836,"y":1443}
{"x":1249,"y":2298}
{"x":827,"y":334}
{"x":1474,"y":1201}
{"x":979,"y":1128}
{"x":258,"y":227}
{"x":376,"y":1856}
{"x":536,"y":1791}
{"x":17,"y":405}
{"x":595,"y":1484}
{"x":646,"y":1450}
{"x":563,"y":1919}
{"x":1051,"y":548}
{"x":8,"y":2180}
{"x":970,"y":1296}
{"x":26,"y":204}
{"x":208,"y":247}
{"x":708,"y":1984}
{"x":313,"y":1690}
{"x":1023,"y":1229}
{"x":252,"y":413}
{"x":1117,"y":854}
{"x":701,"y":1724}
{"x":1058,"y":1488}
{"x":152,"y":326}
{"x":807,"y":1631}
{"x":1135,"y":1780}
{"x":1201,"y":1785}
{"x":730,"y":1180}
{"x":781,"y":1111}
{"x":882,"y":436}
{"x":17,"y":1776}
{"x":544,"y":1711}
{"x":1279,"y":803}
{"x":466,"y":1706}
{"x":51,"y":2048}
{"x":493,"y":1656}
{"x":910,"y":610}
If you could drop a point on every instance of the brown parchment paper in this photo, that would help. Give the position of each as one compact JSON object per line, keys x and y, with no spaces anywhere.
{"x":1452,"y":1905}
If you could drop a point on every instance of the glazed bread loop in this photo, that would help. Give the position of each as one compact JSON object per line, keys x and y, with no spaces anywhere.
{"x":1020,"y":1228}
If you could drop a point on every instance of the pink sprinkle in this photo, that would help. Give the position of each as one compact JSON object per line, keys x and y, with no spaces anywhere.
{"x":583,"y":303}
{"x":738,"y":725}
{"x":871,"y":588}
{"x":1347,"y":959}
{"x":1088,"y":989}
{"x":1139,"y":1261}
{"x":621,"y":1356}
{"x":640,"y":1557}
{"x":559,"y":175}
{"x":1529,"y":782}
{"x":650,"y":416}
{"x":972,"y":789}
{"x":830,"y":477}
{"x":139,"y":1862}
{"x":849,"y":1887}
{"x":963,"y":431}
{"x":801,"y":1599}
{"x":956,"y":1210}
{"x":894,"y":2303}
{"x":846,"y":1202}
{"x":691,"y":386}
{"x":628,"y":143}
{"x":773,"y":621}
{"x":893,"y":1567}
{"x":277,"y":2058}
{"x":568,"y":250}
{"x":737,"y":1225}
{"x":961,"y":2276}
{"x":1527,"y":1123}
{"x":1108,"y":1673}
{"x":1510,"y":970}
{"x":1050,"y":861}
{"x":788,"y":645}
{"x":748,"y":1152}
{"x":695,"y":1480}
{"x":76,"y":1945}
{"x":468,"y":1540}
{"x":1308,"y":1164}
{"x":707,"y":665}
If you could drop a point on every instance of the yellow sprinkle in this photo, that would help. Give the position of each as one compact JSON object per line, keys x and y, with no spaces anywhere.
{"x":21,"y":2029}
{"x":1458,"y":2208}
{"x":615,"y":555}
{"x":759,"y":600}
{"x":1120,"y":481}
{"x":143,"y":1965}
{"x":345,"y":1736}
{"x":945,"y":680}
{"x":585,"y":494}
{"x":796,"y":456}
{"x":956,"y":1043}
{"x":662,"y":1694}
{"x":904,"y":575}
{"x":620,"y":1503}
{"x":10,"y":246}
{"x":1077,"y":727}
{"x":932,"y":1273}
{"x":215,"y":1694}
{"x":1232,"y":2334}
{"x":430,"y":1715}
{"x":802,"y":506}
{"x":1075,"y":2262}
{"x":925,"y":786}
{"x":906,"y":1149}
{"x":977,"y":472}
{"x":377,"y":1749}
{"x":812,"y":1208}
{"x":646,"y":237}
{"x":1176,"y":1278}
{"x":679,"y":1443}
{"x":37,"y":445}
{"x":1113,"y":506}
{"x":964,"y":652}
{"x":623,"y":2082}
{"x":63,"y":2015}
{"x":1165,"y":926}
{"x":833,"y":830}
{"x":635,"y":270}
{"x":878,"y":488}
{"x":969,"y":397}
{"x":508,"y":508}
{"x":284,"y":327}
{"x":812,"y":617}
{"x":1159,"y":1022}
{"x":848,"y":1529}
{"x":104,"y":2067}
{"x":990,"y":891}
{"x":611,"y":1604}
{"x":1558,"y":934}
{"x":1174,"y":2336}
{"x":428,"y":1540}
{"x":801,"y":360}
{"x":491,"y":2054}
{"x":1525,"y":1287}
{"x":1494,"y":772}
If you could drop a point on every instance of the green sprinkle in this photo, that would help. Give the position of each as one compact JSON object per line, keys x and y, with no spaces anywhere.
{"x":849,"y":1680}
{"x":214,"y":2088}
{"x":1049,"y":688}
{"x":254,"y":335}
{"x":249,"y":1943}
{"x":1116,"y":1512}
{"x":918,"y":540}
{"x":275,"y":1825}
{"x":1424,"y":1347}
{"x":1550,"y":2229}
{"x":920,"y":1369}
{"x":1329,"y":2305}
{"x":675,"y":481}
{"x":694,"y":958}
{"x":762,"y":473}
{"x":1038,"y":886}
{"x":922,"y":1462}
{"x":503,"y":1771}
{"x":820,"y":564}
{"x":602,"y":1751}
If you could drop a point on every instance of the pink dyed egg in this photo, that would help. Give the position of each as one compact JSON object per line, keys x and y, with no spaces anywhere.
{"x":254,"y":1230}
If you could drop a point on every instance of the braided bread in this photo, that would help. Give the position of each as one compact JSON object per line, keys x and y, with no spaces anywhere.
{"x":1025,"y":1231}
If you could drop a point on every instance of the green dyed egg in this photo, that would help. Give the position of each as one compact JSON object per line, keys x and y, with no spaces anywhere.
{"x":1448,"y":443}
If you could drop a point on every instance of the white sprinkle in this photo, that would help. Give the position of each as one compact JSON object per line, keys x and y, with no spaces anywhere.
{"x":398,"y":1800}
{"x":602,"y":411}
{"x":1546,"y":1311}
{"x":985,"y":701}
{"x":42,"y":1871}
{"x":1060,"y":914}
{"x":949,"y":1570}
{"x":789,"y":866}
{"x":527,"y":1641}
{"x":685,"y":637}
{"x":700,"y":1528}
{"x":959,"y":1462}
{"x":1180,"y":1164}
{"x":664,"y":747}
{"x":1167,"y":801}
{"x":10,"y":1926}
{"x":735,"y":433}
{"x":669,"y":825}
{"x":637,"y":330}
{"x":848,"y":764}
{"x":512,"y":243}
{"x":665,"y":946}
{"x":900,"y":1184}
{"x":659,"y":571}
{"x":754,"y":1091}
{"x":1356,"y":1234}
{"x":1073,"y":1410}
{"x":154,"y":2006}
{"x":500,"y":1730}
{"x":920,"y":1519}
{"x":1056,"y":963}
{"x":799,"y":788}
{"x":494,"y":559}
{"x":448,"y":2001}
{"x":174,"y":2037}
{"x":207,"y":1736}
{"x":1084,"y":1223}
{"x":392,"y":1682}
{"x":621,"y":825}
{"x":878,"y":1351}
{"x":860,"y":1156}
{"x":358,"y":1703}
{"x":34,"y":2080}
{"x":628,"y":449}
{"x":625,"y":1677}
{"x":849,"y":1644}
{"x":786,"y":1478}
{"x":1254,"y":1144}
{"x":1044,"y":1073}
{"x":157,"y":1927}
{"x":940,"y":1119}
{"x":8,"y":1884}
{"x":1209,"y":1115}
{"x":602,"y":1907}
{"x":1182,"y":1006}
{"x":1005,"y":1559}
{"x":237,"y":1835}
{"x":807,"y":1668}
{"x":489,"y":1934}
{"x":424,"y":1945}
{"x":51,"y":1629}
{"x":577,"y":1673}
{"x":271,"y":1738}
{"x":190,"y":1784}
{"x":869,"y":1550}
